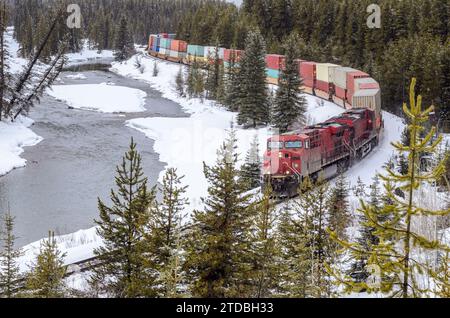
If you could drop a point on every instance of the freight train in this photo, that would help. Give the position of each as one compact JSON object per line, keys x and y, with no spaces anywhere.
{"x":323,"y":149}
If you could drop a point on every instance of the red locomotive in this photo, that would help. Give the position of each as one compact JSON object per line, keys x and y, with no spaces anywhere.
{"x":325,"y":149}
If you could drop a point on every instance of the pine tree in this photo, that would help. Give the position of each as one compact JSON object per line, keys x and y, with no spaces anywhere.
{"x":167,"y":226}
{"x":339,"y":217}
{"x":213,"y":77}
{"x":46,"y":279}
{"x":124,"y":46}
{"x":360,"y":189}
{"x":172,"y":275}
{"x":9,"y":268}
{"x":217,"y":261}
{"x":179,"y":82}
{"x":124,"y":269}
{"x":394,"y":255}
{"x":266,"y":249}
{"x":155,"y":71}
{"x":232,"y":85}
{"x":290,"y":105}
{"x":251,"y":170}
{"x":253,"y":99}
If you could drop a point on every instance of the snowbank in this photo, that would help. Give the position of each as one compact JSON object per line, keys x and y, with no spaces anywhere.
{"x":76,"y":76}
{"x":13,"y":137}
{"x":87,"y":55}
{"x":101,"y":97}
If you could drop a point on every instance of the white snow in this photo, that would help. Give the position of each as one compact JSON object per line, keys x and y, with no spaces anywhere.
{"x":13,"y":138}
{"x":101,"y":97}
{"x":76,"y":76}
{"x":87,"y":55}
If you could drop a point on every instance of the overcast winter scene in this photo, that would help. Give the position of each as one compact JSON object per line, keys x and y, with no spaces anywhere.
{"x":254,"y":149}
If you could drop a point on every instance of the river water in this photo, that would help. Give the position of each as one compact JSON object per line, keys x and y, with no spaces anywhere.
{"x":75,"y":163}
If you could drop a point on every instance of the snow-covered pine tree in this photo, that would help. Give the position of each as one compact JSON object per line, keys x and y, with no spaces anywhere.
{"x":396,"y":254}
{"x":167,"y":220}
{"x":218,"y":260}
{"x":254,"y":108}
{"x":213,"y":79}
{"x":251,"y":169}
{"x":9,"y":268}
{"x":266,"y":261}
{"x":124,"y":269}
{"x":46,"y":279}
{"x":289,"y":106}
{"x":339,"y":214}
{"x":179,"y":82}
{"x":123,"y":46}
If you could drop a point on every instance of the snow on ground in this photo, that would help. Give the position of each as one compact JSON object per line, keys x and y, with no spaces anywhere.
{"x":101,"y":97}
{"x":88,"y":55}
{"x":13,"y":137}
{"x":78,"y":76}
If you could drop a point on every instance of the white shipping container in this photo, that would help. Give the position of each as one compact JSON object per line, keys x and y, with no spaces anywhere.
{"x":211,"y":52}
{"x":177,"y":54}
{"x":340,"y":76}
{"x":368,"y":98}
{"x":325,"y":72}
{"x":163,"y":51}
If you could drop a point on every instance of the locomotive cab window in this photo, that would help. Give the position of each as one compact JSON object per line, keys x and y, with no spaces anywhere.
{"x":294,"y":144}
{"x":275,"y":145}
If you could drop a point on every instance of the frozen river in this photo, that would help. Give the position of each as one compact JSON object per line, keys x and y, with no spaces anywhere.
{"x":75,"y":163}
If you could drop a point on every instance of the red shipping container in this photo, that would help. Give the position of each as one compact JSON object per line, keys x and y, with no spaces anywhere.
{"x":178,"y":46}
{"x":308,"y":73}
{"x":323,"y":86}
{"x":165,"y":35}
{"x":275,"y":61}
{"x":237,"y":54}
{"x":340,"y":92}
{"x":351,"y":77}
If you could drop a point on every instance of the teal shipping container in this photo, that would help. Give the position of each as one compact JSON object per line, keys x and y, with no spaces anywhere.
{"x":165,"y":43}
{"x":272,"y":73}
{"x":196,"y":50}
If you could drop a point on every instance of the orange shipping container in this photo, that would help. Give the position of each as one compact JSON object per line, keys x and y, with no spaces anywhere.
{"x":178,"y":46}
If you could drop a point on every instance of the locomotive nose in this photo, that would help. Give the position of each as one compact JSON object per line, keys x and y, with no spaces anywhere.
{"x":279,"y":163}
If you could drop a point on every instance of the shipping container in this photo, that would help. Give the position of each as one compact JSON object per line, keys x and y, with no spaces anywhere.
{"x":228,"y":64}
{"x":366,"y":83}
{"x":162,"y":51}
{"x":340,"y":76}
{"x":368,"y":98}
{"x":323,"y":86}
{"x":308,"y":73}
{"x":164,"y":35}
{"x":178,"y":46}
{"x":273,"y":81}
{"x":233,"y":54}
{"x":210,"y":52}
{"x":171,"y":36}
{"x":196,"y":50}
{"x":165,"y":43}
{"x":340,"y":92}
{"x":176,"y":54}
{"x":273,"y":73}
{"x":325,"y":72}
{"x":351,"y":77}
{"x":275,"y":61}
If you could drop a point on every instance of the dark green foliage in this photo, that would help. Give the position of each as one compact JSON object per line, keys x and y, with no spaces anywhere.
{"x":9,"y":268}
{"x":126,"y":269}
{"x":290,"y":105}
{"x":46,"y":279}
{"x":218,"y":261}
{"x":339,"y":214}
{"x":124,"y":44}
{"x":251,"y":170}
{"x":253,"y":99}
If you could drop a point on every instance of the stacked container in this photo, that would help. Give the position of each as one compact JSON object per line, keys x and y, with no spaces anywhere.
{"x":325,"y":79}
{"x":230,"y":55}
{"x":196,"y":52}
{"x":358,"y":83}
{"x":308,"y":75}
{"x":177,"y":51}
{"x":274,"y":64}
{"x":210,"y":52}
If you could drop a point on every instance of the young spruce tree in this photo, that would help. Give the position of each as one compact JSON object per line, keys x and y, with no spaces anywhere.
{"x":290,"y":105}
{"x":124,"y":46}
{"x":254,"y":108}
{"x":251,"y":170}
{"x":9,"y":268}
{"x":396,"y":256}
{"x":218,"y":261}
{"x":124,"y":271}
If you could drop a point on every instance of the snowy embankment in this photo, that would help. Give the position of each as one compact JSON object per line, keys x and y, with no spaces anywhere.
{"x":15,"y":136}
{"x":88,"y":55}
{"x":103,"y":97}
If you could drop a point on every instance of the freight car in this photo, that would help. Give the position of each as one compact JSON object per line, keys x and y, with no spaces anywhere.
{"x":323,"y":150}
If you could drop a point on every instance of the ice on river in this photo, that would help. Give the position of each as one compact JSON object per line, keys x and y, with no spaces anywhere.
{"x":101,"y":97}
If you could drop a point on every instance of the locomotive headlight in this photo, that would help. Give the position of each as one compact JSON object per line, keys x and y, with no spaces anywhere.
{"x":280,"y":155}
{"x":288,"y":172}
{"x":296,"y":165}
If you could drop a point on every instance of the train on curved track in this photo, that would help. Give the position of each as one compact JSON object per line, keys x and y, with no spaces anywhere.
{"x":325,"y":149}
